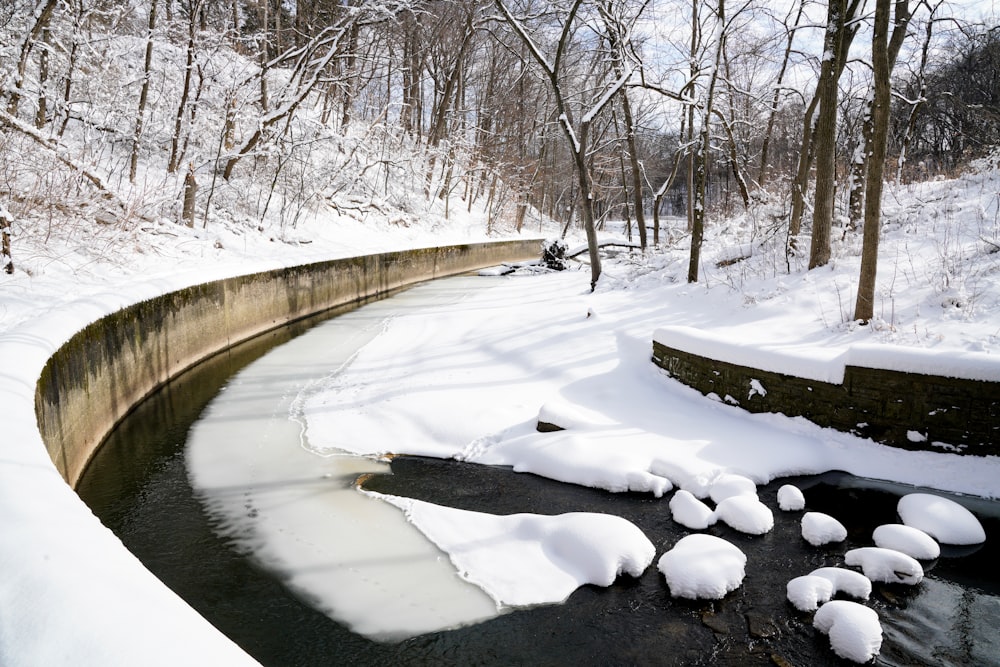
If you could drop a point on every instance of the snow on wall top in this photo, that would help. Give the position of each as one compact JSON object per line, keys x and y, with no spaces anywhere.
{"x":826,"y":364}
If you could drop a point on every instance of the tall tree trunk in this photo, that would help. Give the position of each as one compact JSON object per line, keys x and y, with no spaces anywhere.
{"x":701,"y":155}
{"x":864,"y":306}
{"x":859,"y":163}
{"x":826,"y":136}
{"x":41,"y":113}
{"x":143,"y":94}
{"x":884,"y":52}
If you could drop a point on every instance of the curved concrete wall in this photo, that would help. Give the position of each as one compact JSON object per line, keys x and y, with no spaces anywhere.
{"x":96,"y":378}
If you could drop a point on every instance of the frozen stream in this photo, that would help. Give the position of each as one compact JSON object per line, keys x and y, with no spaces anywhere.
{"x":286,"y":522}
{"x":356,"y":557}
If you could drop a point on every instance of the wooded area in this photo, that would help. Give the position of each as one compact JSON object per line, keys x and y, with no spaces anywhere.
{"x":247,"y":111}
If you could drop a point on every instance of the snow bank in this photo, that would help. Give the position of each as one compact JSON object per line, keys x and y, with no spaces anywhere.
{"x":530,"y":559}
{"x":941,"y":518}
{"x":703,"y":566}
{"x":854,"y":629}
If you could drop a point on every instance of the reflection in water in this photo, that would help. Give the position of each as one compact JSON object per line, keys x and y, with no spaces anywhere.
{"x":138,"y":484}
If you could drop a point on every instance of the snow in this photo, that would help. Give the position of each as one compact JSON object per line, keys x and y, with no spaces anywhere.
{"x":941,"y":518}
{"x":691,"y":512}
{"x":808,"y":592}
{"x":790,"y":498}
{"x":886,"y":565}
{"x":746,"y":514}
{"x":854,"y":630}
{"x":845,"y":581}
{"x":907,"y":539}
{"x":471,"y":379}
{"x":529,"y":559}
{"x":702,"y":567}
{"x":819,"y":529}
{"x":728,"y":485}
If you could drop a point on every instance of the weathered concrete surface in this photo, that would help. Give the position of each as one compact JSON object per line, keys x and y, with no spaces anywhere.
{"x":93,"y":380}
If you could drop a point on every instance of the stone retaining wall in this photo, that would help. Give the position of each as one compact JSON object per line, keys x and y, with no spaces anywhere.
{"x":908,"y":410}
{"x":96,"y":378}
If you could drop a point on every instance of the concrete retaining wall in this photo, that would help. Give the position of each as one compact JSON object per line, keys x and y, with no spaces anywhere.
{"x":909,"y":410}
{"x":93,"y":380}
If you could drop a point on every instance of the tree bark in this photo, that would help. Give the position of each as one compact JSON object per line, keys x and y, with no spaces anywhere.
{"x":41,"y":22}
{"x":882,"y":61}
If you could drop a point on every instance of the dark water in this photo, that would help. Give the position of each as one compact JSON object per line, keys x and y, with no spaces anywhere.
{"x":138,"y":485}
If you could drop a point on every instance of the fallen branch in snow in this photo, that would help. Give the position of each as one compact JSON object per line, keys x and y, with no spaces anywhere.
{"x":603,"y":244}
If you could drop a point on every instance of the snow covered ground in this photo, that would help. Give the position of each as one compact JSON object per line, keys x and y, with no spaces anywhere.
{"x":471,"y":380}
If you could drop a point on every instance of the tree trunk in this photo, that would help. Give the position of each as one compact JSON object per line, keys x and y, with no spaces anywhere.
{"x":6,"y":221}
{"x":826,"y":136}
{"x":701,"y":155}
{"x":41,"y":22}
{"x":190,"y":197}
{"x":143,"y":94}
{"x":41,"y":114}
{"x":174,"y":159}
{"x":884,"y":52}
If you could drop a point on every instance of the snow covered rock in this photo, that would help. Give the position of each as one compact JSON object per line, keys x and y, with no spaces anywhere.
{"x":703,"y":566}
{"x":846,"y":581}
{"x":728,"y":485}
{"x":907,"y":539}
{"x":819,"y":529}
{"x":808,"y":592}
{"x":790,"y":498}
{"x":746,"y":514}
{"x":886,"y":565}
{"x":854,"y":630}
{"x":691,"y":512}
{"x":941,"y":518}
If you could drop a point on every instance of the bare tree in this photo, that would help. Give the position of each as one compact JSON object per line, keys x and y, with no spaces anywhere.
{"x":42,"y":17}
{"x":143,"y":94}
{"x":577,"y":134}
{"x":840,"y":31}
{"x":883,"y":58}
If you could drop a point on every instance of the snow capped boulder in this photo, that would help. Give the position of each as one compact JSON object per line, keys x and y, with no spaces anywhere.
{"x":807,"y":592}
{"x":691,"y":512}
{"x":854,"y":630}
{"x":941,"y":518}
{"x":819,"y":529}
{"x":746,"y":514}
{"x":703,"y":567}
{"x":907,"y":539}
{"x":846,"y":581}
{"x":885,"y":565}
{"x":790,"y":498}
{"x":728,"y":485}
